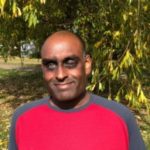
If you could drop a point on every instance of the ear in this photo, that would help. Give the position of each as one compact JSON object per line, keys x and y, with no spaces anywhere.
{"x":88,"y":65}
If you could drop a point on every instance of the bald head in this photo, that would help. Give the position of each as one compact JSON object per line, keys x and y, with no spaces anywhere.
{"x":64,"y":66}
{"x":64,"y":35}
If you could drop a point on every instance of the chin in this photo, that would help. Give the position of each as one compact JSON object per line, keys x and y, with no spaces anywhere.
{"x":64,"y":96}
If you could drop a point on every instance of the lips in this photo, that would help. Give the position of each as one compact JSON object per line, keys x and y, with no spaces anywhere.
{"x":63,"y":86}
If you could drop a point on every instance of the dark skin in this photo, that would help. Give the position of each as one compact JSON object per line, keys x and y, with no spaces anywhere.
{"x":65,"y":70}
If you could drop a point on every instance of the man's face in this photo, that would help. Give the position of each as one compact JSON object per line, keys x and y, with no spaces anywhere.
{"x":64,"y":67}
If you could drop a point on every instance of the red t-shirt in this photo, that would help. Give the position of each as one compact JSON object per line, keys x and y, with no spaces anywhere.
{"x":98,"y":125}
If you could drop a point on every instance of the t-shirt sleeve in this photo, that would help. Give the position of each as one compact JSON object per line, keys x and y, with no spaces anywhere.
{"x":19,"y":111}
{"x":12,"y":137}
{"x":135,"y":139}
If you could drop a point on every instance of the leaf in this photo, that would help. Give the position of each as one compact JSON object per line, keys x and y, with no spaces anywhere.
{"x":14,"y":8}
{"x":115,"y":73}
{"x":139,"y":53}
{"x":110,"y":66}
{"x":125,"y":17}
{"x":127,"y":60}
{"x":108,"y":32}
{"x":30,"y":15}
{"x":101,"y":86}
{"x":19,"y":11}
{"x":142,"y":97}
{"x":129,"y":1}
{"x":116,"y":34}
{"x":117,"y":97}
{"x":43,"y":1}
{"x":138,"y":89}
{"x":145,"y":7}
{"x":99,"y":43}
{"x":2,"y":5}
{"x":91,"y":87}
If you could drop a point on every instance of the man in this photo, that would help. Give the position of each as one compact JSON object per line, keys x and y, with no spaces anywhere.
{"x":71,"y":118}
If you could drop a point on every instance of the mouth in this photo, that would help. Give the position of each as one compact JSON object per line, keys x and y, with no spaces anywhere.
{"x":63,"y":86}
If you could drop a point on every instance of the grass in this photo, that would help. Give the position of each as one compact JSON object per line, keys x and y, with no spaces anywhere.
{"x":20,"y":86}
{"x":16,"y":88}
{"x":17,"y":61}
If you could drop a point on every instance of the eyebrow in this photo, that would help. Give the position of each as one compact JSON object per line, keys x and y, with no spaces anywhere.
{"x":76,"y":58}
{"x":46,"y":60}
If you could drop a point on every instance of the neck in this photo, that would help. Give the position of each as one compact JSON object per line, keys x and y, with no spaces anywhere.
{"x":74,"y":103}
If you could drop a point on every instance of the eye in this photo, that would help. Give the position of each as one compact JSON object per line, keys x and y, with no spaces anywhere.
{"x":70,"y":63}
{"x":50,"y":65}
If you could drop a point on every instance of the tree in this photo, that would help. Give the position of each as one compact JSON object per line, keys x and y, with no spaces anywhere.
{"x":116,"y":35}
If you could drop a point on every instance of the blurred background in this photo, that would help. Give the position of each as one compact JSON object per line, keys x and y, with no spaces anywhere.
{"x":117,"y":36}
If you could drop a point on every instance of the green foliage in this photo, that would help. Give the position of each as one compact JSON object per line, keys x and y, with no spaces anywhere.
{"x":118,"y":31}
{"x":116,"y":35}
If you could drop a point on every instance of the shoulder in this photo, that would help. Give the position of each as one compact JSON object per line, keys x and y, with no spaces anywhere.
{"x":27,"y":107}
{"x":114,"y":107}
{"x":135,"y":138}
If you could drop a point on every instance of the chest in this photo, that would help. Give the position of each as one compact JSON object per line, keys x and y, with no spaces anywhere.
{"x":88,"y":130}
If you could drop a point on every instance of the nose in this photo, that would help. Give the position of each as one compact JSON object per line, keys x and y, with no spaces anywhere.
{"x":61,"y":74}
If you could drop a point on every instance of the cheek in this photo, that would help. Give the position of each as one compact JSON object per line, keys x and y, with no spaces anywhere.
{"x":47,"y":75}
{"x":79,"y":74}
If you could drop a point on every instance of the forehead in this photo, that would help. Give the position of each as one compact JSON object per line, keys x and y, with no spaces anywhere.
{"x":60,"y":47}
